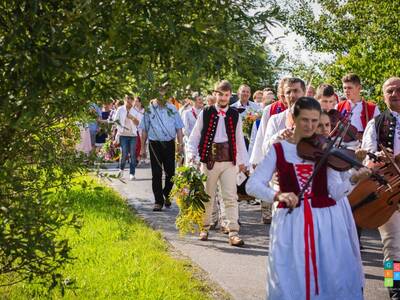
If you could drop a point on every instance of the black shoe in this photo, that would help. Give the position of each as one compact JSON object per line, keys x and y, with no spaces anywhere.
{"x":157,"y":207}
{"x":167,"y":203}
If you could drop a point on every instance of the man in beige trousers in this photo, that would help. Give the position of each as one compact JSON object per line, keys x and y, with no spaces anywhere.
{"x":217,"y":141}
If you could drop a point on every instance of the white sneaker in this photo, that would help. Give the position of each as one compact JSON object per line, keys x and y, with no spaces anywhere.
{"x":132,"y":177}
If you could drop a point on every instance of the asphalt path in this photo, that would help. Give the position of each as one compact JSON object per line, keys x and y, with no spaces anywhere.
{"x":241,"y":272}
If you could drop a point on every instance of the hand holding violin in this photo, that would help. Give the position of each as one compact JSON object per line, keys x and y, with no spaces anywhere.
{"x":361,"y":174}
{"x":360,"y":154}
{"x":290,"y":199}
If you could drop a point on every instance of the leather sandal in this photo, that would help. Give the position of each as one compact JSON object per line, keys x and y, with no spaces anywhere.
{"x":203,"y":236}
{"x":236,"y":241}
{"x":224,"y":229}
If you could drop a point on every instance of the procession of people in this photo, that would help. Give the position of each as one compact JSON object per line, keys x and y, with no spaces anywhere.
{"x":306,"y":199}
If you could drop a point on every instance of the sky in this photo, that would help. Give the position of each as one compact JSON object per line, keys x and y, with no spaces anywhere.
{"x":292,"y":43}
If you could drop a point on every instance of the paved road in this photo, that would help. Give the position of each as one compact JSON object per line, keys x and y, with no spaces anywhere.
{"x":239,"y":271}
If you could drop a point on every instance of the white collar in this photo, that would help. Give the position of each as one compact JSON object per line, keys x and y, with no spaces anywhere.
{"x":219,"y":108}
{"x":241,"y":105}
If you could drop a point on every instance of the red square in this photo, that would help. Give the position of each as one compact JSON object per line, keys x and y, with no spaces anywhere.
{"x":396,"y":267}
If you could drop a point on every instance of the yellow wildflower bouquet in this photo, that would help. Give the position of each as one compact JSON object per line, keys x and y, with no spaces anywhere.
{"x":190,"y":196}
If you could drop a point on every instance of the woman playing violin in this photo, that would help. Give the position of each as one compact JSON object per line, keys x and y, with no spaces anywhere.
{"x":311,"y":250}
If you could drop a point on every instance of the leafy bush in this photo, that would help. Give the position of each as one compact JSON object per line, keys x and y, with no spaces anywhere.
{"x":57,"y":57}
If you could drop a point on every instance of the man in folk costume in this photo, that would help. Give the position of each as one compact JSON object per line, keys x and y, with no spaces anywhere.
{"x":217,"y":141}
{"x":385,"y":129}
{"x":278,"y":124}
{"x":272,"y":109}
{"x":354,"y":107}
{"x":310,"y":248}
{"x":279,"y":120}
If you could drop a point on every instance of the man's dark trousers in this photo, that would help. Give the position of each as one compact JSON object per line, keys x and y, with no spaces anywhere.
{"x":162,"y":155}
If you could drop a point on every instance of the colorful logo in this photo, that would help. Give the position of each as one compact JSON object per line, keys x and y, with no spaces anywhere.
{"x":391,"y":272}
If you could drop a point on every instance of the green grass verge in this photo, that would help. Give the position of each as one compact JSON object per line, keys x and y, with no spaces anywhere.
{"x":117,"y":256}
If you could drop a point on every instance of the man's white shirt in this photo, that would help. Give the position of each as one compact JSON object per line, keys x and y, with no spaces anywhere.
{"x":256,"y":153}
{"x":189,"y":119}
{"x":275,"y":125}
{"x":242,"y":156}
{"x":250,"y":104}
{"x":369,"y":141}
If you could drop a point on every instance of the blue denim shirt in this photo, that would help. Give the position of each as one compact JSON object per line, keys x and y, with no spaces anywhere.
{"x":161,"y":123}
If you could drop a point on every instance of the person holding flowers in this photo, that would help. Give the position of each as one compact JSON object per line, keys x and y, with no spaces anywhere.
{"x":217,"y":142}
{"x":244,"y":106}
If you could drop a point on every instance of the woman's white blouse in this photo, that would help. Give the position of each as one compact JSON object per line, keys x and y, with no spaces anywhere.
{"x":258,"y":183}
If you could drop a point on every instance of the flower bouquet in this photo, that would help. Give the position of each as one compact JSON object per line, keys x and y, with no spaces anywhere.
{"x":108,"y":152}
{"x":190,"y":196}
{"x":249,"y":119}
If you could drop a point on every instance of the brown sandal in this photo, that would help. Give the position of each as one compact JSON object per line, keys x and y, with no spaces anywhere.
{"x":236,"y":241}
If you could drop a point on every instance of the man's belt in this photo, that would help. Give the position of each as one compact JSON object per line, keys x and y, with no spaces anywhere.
{"x":219,"y":152}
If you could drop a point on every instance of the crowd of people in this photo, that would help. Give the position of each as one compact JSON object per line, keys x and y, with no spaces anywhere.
{"x":313,"y":236}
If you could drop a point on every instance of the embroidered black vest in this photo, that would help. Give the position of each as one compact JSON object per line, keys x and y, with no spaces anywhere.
{"x":385,"y":125}
{"x":210,"y":123}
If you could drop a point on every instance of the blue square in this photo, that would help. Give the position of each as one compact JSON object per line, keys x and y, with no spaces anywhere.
{"x":388,"y":265}
{"x":396,"y":276}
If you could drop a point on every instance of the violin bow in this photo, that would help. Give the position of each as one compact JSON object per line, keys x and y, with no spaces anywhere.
{"x":318,"y":166}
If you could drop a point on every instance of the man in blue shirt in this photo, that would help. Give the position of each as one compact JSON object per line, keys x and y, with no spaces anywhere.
{"x":161,"y":124}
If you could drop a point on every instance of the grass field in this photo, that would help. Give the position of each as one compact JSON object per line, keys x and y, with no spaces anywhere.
{"x":117,"y":257}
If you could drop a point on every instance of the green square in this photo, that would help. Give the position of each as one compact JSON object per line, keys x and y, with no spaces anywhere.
{"x":388,"y":265}
{"x":388,"y":282}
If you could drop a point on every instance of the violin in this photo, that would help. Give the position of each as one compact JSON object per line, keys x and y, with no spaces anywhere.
{"x":339,"y":159}
{"x":320,"y":149}
{"x":337,"y":120}
{"x":374,"y":199}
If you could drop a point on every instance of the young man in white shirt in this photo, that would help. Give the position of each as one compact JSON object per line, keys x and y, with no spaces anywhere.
{"x":217,"y":141}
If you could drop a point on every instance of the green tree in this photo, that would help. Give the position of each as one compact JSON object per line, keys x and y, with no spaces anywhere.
{"x":56,"y":57}
{"x":364,"y":35}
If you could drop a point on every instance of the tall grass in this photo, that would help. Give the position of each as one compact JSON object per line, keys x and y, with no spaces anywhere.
{"x":117,"y":256}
